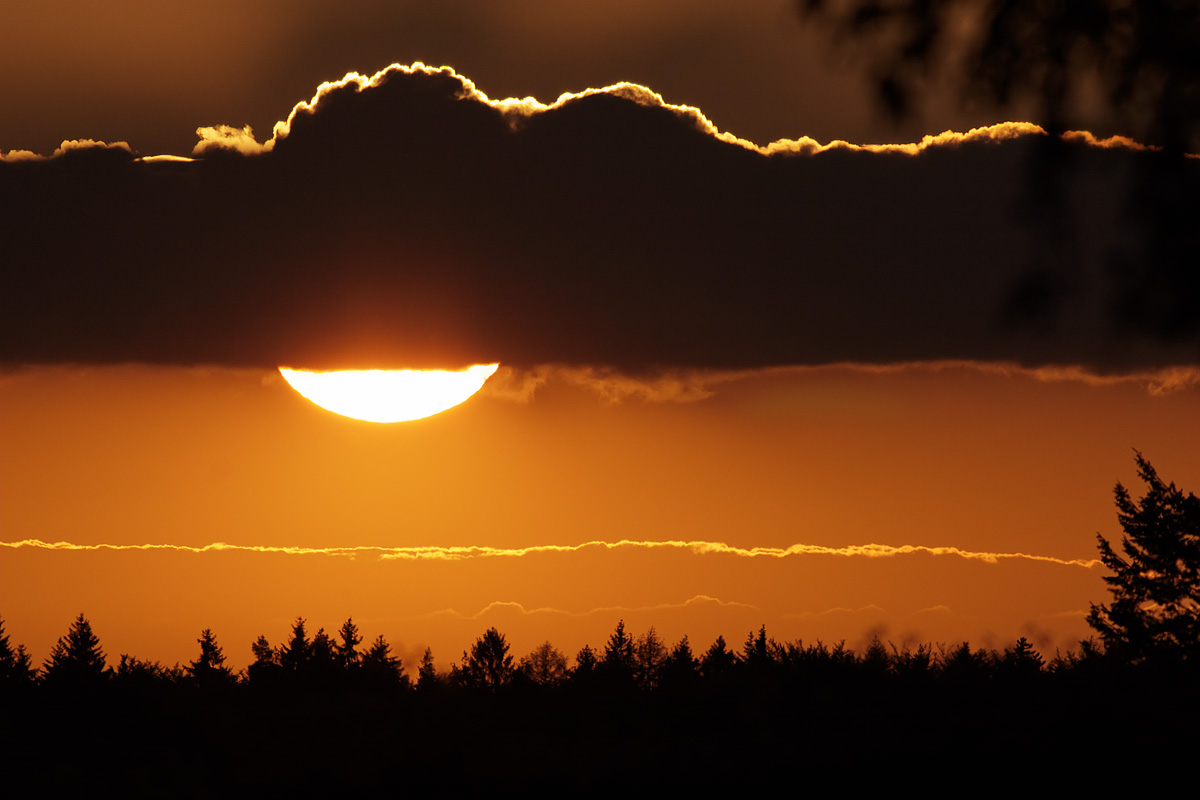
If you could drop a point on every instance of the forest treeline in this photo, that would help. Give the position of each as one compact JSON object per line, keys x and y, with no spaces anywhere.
{"x":320,"y":714}
{"x":626,"y":662}
{"x":337,"y":715}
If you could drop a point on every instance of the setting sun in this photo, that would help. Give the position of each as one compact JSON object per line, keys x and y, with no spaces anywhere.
{"x":378,"y":395}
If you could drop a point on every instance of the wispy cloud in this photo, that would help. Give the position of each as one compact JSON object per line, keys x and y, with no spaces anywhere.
{"x":502,"y":606}
{"x":464,"y":552}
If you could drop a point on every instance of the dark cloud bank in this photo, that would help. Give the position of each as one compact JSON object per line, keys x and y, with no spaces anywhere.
{"x":414,"y":223}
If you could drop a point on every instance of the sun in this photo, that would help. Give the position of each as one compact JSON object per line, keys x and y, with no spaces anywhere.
{"x":388,"y":395}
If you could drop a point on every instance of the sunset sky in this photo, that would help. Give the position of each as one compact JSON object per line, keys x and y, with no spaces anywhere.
{"x":747,"y":377}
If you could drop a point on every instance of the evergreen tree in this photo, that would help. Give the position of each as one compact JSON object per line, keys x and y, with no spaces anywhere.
{"x":876,"y":659}
{"x":585,"y":662}
{"x":294,"y":655}
{"x":210,"y":667}
{"x":1155,"y":610}
{"x":488,"y":665}
{"x":347,"y":649}
{"x":379,"y":666}
{"x":718,"y":661}
{"x":266,"y":660}
{"x":619,"y":651}
{"x":15,"y":665}
{"x":76,"y":657}
{"x":681,"y":666}
{"x":1022,"y":659}
{"x":427,"y":675}
{"x":323,"y":661}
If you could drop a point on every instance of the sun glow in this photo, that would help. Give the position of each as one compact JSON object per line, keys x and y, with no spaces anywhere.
{"x":378,"y":395}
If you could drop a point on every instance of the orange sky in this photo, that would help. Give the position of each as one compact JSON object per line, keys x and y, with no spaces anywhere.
{"x":952,"y":457}
{"x":419,"y":217}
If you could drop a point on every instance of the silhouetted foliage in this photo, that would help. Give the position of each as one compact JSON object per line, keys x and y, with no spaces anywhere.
{"x":545,"y":666}
{"x":427,"y":675}
{"x":210,"y":668}
{"x":381,"y":668}
{"x":618,"y":651}
{"x":488,"y":665}
{"x":1155,"y":612}
{"x":681,"y":668}
{"x":266,"y":660}
{"x":347,"y":649}
{"x":1022,"y":659}
{"x":876,"y":660}
{"x":145,"y":676}
{"x":1144,"y":56}
{"x":970,"y":706}
{"x":649,"y":656}
{"x":718,"y":661}
{"x":294,"y":655}
{"x":77,"y":657}
{"x":16,"y":668}
{"x":586,"y":662}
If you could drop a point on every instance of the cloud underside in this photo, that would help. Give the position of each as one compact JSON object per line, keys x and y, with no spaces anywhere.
{"x":407,"y":220}
{"x":467,"y":552}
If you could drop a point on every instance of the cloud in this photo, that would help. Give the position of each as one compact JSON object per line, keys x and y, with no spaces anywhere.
{"x":406,"y":219}
{"x":466,"y":552}
{"x":511,"y":607}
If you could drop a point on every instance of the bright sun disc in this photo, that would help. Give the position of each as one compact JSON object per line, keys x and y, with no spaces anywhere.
{"x":388,"y":395}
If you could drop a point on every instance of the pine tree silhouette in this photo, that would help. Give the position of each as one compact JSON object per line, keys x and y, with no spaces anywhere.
{"x":76,"y":657}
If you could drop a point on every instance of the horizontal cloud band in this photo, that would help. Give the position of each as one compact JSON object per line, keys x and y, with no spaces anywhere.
{"x":406,"y":219}
{"x":461,"y":552}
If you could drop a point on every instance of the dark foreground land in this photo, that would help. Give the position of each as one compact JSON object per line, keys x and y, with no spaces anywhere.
{"x":800,"y":729}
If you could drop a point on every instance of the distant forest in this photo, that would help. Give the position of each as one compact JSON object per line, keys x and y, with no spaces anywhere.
{"x":331,"y":714}
{"x":334,"y":714}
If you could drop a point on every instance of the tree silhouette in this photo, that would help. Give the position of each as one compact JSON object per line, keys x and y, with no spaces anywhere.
{"x":15,"y":665}
{"x":427,"y":675}
{"x":718,"y":661}
{"x":649,"y":656}
{"x":76,"y":657}
{"x":681,"y":667}
{"x":347,"y":649}
{"x":619,"y":654}
{"x":380,"y":667}
{"x":545,"y":666}
{"x":1155,"y":610}
{"x":210,"y":667}
{"x":294,"y":655}
{"x":488,"y":665}
{"x":266,"y":660}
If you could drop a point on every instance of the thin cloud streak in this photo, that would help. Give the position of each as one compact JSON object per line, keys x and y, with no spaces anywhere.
{"x":464,"y":552}
{"x":688,"y":386}
{"x":513,"y":606}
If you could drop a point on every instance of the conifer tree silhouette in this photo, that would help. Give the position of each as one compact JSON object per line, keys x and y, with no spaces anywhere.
{"x":16,"y":668}
{"x":347,"y":649}
{"x":380,"y":667}
{"x":488,"y":665}
{"x":718,"y":661}
{"x":294,"y":655}
{"x":76,"y":657}
{"x":1155,"y":611}
{"x":210,"y":667}
{"x":427,"y":676}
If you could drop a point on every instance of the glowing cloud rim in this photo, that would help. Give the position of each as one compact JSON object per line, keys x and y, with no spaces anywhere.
{"x":399,"y":395}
